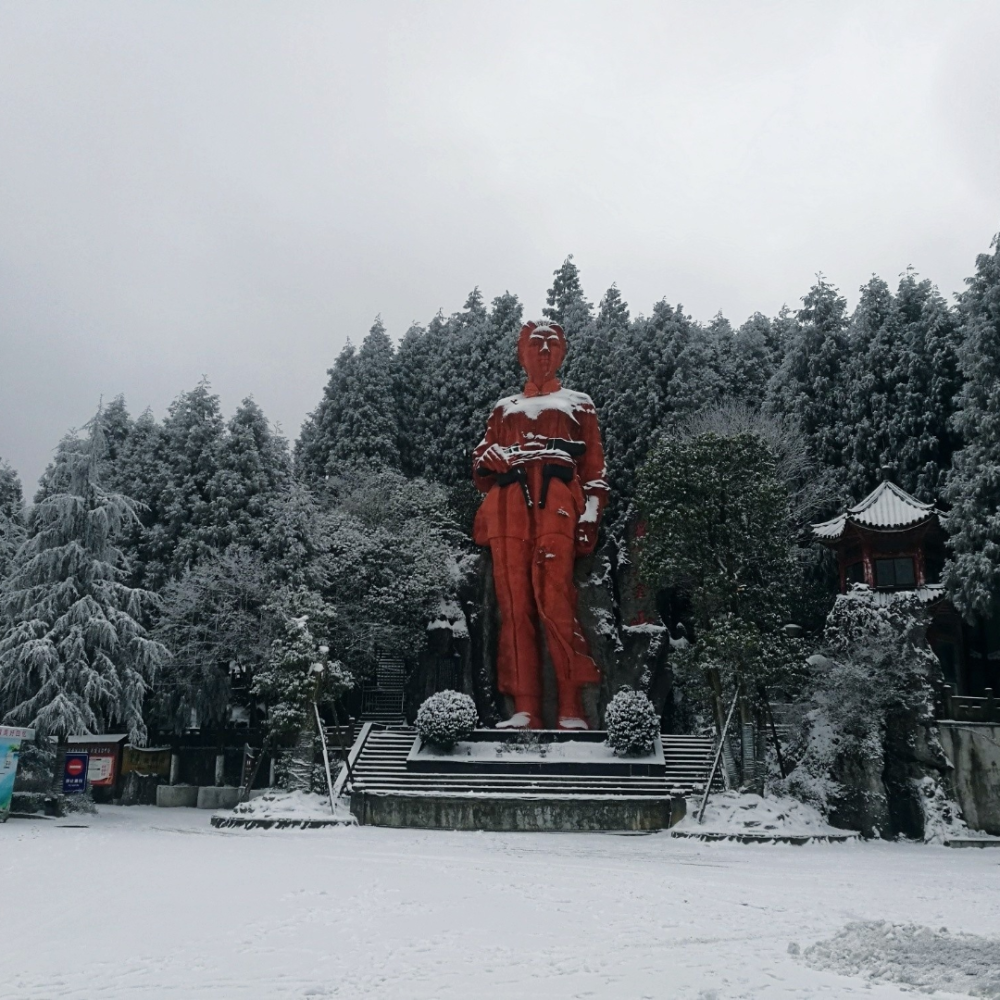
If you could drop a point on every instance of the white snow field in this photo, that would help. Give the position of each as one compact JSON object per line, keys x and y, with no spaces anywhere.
{"x":149,"y":903}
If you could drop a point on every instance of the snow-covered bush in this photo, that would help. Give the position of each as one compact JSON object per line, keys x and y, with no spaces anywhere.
{"x":446,"y":717}
{"x":632,"y":723}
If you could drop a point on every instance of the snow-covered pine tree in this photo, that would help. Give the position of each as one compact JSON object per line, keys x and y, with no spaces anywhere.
{"x":325,"y":424}
{"x":873,"y":363}
{"x":185,"y":530}
{"x":11,"y":517}
{"x":299,"y":668}
{"x":254,"y":469}
{"x":450,"y":403}
{"x":298,"y":673}
{"x":117,"y":427}
{"x":973,"y":572}
{"x":74,"y":656}
{"x":757,"y":353}
{"x":356,"y":418}
{"x":928,"y":388}
{"x":567,"y":306}
{"x":140,"y":470}
{"x":296,"y":545}
{"x":809,"y":385}
{"x":565,"y":301}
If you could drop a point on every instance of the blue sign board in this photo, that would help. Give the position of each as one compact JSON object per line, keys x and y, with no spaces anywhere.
{"x":75,"y":772}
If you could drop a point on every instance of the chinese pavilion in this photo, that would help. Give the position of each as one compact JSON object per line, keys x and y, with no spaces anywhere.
{"x":895,"y":544}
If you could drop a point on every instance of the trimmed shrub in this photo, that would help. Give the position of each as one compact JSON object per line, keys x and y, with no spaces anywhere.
{"x":445,"y":718}
{"x":632,"y":724}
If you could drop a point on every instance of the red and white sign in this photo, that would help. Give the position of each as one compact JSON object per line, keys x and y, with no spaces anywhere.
{"x":101,"y":770}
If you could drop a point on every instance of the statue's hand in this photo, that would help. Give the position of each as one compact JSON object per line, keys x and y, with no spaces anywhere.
{"x":494,"y":459}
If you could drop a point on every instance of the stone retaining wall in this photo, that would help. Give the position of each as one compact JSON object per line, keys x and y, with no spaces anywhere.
{"x":480,"y":812}
{"x":974,"y":750}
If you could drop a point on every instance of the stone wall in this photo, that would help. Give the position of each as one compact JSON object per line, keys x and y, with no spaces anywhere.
{"x":510,"y":812}
{"x":974,"y":750}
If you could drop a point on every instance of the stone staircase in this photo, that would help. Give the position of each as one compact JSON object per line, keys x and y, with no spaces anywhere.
{"x":379,"y":765}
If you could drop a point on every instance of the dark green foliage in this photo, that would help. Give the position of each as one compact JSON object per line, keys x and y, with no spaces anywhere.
{"x":356,"y":421}
{"x":973,"y":573}
{"x":810,"y":384}
{"x":11,"y":517}
{"x":718,"y":530}
{"x":214,"y":622}
{"x":904,"y":380}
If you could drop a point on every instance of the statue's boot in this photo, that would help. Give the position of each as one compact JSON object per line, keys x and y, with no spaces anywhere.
{"x":571,"y":713}
{"x":527,"y":715}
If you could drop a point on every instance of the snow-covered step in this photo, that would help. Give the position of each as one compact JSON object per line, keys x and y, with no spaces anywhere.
{"x":379,"y":765}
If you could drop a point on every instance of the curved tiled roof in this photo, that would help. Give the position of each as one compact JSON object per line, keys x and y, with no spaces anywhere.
{"x":886,"y":508}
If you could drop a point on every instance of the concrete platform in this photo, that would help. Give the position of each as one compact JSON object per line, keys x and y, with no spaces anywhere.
{"x":972,"y":842}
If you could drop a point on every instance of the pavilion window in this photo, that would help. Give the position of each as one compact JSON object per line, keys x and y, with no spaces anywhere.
{"x":895,"y":574}
{"x":855,"y":572}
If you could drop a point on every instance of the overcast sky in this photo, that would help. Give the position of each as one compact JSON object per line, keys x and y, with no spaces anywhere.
{"x":234,"y":189}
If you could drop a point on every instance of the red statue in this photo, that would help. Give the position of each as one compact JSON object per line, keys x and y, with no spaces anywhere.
{"x":541,"y":465}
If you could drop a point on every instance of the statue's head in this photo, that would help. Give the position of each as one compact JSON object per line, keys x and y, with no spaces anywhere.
{"x":541,"y":349}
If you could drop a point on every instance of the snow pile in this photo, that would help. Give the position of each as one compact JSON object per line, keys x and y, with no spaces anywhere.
{"x":446,"y":717}
{"x":299,"y":805}
{"x":942,"y":815}
{"x":915,"y":956}
{"x":632,"y":724}
{"x":535,"y":751}
{"x":738,"y":813}
{"x":450,"y":617}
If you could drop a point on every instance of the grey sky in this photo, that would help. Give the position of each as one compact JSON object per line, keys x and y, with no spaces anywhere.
{"x":235,"y":189}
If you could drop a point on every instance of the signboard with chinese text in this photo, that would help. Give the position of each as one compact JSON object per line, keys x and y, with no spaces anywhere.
{"x":10,"y":749}
{"x":146,"y":760}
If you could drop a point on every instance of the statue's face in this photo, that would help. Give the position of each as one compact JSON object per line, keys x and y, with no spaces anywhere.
{"x":542,"y":352}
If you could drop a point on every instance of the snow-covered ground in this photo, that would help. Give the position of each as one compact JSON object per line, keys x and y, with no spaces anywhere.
{"x":154,"y":903}
{"x":737,"y":813}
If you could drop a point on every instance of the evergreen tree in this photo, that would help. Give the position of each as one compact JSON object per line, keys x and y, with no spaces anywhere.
{"x":973,"y":573}
{"x":756,"y":354}
{"x":299,"y":671}
{"x":809,"y":385}
{"x":11,"y":517}
{"x":356,"y":419}
{"x":186,"y":529}
{"x":117,"y":427}
{"x":214,"y":622}
{"x":74,"y":657}
{"x":718,"y":531}
{"x":874,"y":361}
{"x":565,"y":302}
{"x":929,"y":386}
{"x":254,"y":469}
{"x":141,"y":470}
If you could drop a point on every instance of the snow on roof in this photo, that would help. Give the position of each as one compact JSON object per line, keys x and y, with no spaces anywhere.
{"x":98,"y":738}
{"x":887,"y":507}
{"x":928,"y":594}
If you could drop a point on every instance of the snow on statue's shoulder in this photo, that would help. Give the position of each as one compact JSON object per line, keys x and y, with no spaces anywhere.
{"x":566,"y":400}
